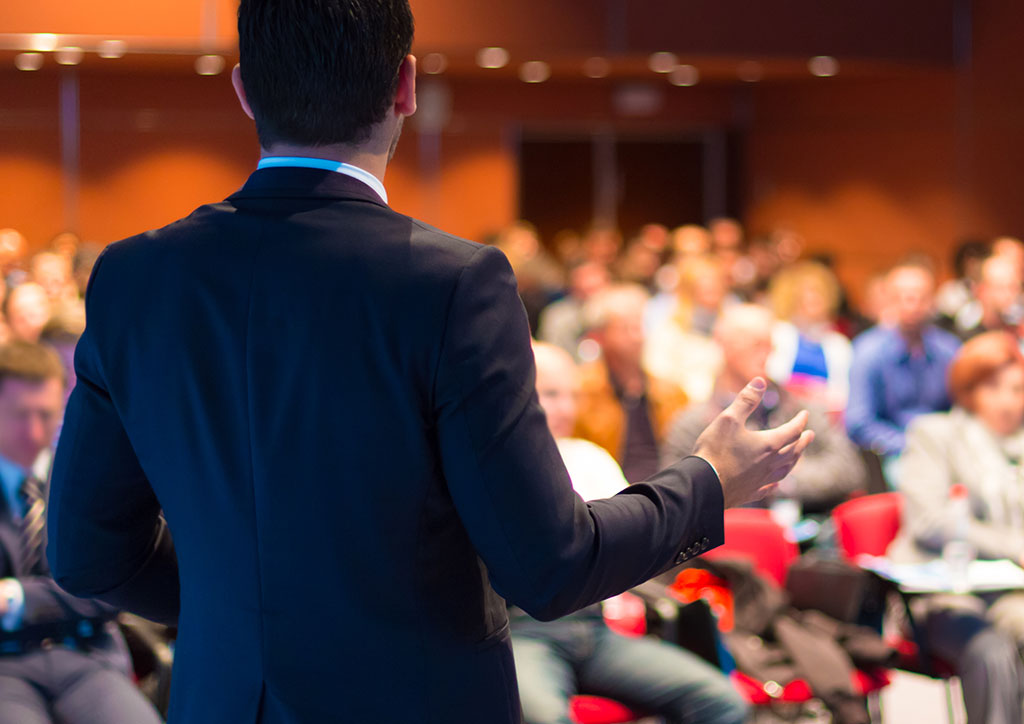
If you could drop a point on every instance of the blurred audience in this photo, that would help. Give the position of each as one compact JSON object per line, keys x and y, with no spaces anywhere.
{"x":996,"y":302}
{"x":957,"y":293}
{"x":831,"y":468}
{"x":539,"y":275}
{"x":579,"y":653}
{"x":562,"y":323}
{"x":62,"y":659}
{"x":623,"y":408}
{"x":978,"y":446}
{"x":28,"y":310}
{"x":809,"y":358}
{"x":680,"y":348}
{"x":899,"y":372}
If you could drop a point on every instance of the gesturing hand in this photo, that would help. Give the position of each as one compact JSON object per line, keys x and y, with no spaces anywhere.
{"x":750,"y":463}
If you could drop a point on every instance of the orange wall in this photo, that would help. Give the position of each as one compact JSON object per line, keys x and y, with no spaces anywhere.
{"x":866,"y":168}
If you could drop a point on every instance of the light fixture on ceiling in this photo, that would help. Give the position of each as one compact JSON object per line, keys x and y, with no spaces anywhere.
{"x":209,"y":64}
{"x":69,"y":56}
{"x":28,"y":61}
{"x":823,"y":66}
{"x":534,"y":71}
{"x":492,"y":58}
{"x":43,"y":42}
{"x":684,"y":76}
{"x":750,"y":71}
{"x":434,"y":63}
{"x":597,"y":67}
{"x":112,"y":49}
{"x":662,"y":62}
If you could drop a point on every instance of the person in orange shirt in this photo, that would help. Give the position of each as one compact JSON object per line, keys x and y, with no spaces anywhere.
{"x":622,"y":408}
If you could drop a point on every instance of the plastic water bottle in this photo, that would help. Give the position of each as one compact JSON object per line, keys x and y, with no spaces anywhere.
{"x":958,"y":552}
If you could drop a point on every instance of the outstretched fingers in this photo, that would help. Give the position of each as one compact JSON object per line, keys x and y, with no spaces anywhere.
{"x":788,"y":433}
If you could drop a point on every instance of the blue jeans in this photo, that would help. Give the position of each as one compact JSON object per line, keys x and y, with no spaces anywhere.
{"x":557,"y":660}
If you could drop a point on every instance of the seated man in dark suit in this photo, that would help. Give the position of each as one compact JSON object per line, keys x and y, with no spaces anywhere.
{"x":62,"y":658}
{"x":579,"y":653}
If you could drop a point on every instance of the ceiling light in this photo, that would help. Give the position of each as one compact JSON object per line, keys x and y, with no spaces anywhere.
{"x":28,"y":61}
{"x":69,"y":56}
{"x":684,"y":75}
{"x":823,"y":66}
{"x":534,"y":71}
{"x":492,"y":58}
{"x":662,"y":62}
{"x":597,"y":67}
{"x":750,"y":71}
{"x":434,"y":63}
{"x":112,"y":49}
{"x":209,"y":64}
{"x":43,"y":42}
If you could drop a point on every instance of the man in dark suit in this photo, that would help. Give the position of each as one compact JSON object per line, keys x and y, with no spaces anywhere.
{"x":347,"y":510}
{"x":61,"y":658}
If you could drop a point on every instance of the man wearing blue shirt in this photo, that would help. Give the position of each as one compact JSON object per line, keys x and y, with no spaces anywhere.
{"x":61,"y":658}
{"x":899,"y":370}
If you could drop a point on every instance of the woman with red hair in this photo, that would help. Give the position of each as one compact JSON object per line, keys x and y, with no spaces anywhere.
{"x":977,"y":446}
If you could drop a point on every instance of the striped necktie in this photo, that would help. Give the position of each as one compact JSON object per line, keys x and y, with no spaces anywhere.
{"x":32,"y":523}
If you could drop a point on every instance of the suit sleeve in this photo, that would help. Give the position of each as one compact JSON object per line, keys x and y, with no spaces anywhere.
{"x":107,"y":537}
{"x":545,"y":549}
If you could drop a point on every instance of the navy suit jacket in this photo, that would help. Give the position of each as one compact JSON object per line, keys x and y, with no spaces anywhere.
{"x":333,"y":406}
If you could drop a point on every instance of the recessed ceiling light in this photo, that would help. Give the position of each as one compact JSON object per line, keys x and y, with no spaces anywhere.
{"x":492,"y":58}
{"x":684,"y":75}
{"x":69,"y":56}
{"x":662,"y":62}
{"x":43,"y":42}
{"x":209,"y":64}
{"x":28,"y":61}
{"x":534,"y":71}
{"x":749,"y":71}
{"x":112,"y":49}
{"x":597,"y":67}
{"x":823,"y":66}
{"x":434,"y":63}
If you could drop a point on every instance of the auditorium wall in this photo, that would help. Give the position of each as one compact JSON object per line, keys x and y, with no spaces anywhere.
{"x":868,"y":168}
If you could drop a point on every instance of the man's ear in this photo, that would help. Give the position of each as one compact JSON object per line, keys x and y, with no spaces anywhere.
{"x":405,"y":97}
{"x":243,"y":99}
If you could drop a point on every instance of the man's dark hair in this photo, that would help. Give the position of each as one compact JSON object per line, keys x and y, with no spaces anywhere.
{"x":30,"y":362}
{"x":321,"y":72}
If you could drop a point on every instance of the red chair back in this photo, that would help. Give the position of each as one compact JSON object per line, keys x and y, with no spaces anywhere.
{"x":752,"y":533}
{"x":598,"y":710}
{"x":868,"y":524}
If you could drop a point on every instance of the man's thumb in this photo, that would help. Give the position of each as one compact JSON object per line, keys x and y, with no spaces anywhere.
{"x":747,"y":400}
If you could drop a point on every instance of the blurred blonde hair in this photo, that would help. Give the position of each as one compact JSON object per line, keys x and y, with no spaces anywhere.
{"x":691,"y":270}
{"x":787,"y":285}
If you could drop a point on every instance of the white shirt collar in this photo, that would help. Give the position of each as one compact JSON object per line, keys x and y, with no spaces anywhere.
{"x":327,"y":165}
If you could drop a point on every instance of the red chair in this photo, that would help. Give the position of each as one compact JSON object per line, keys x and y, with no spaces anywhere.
{"x":868,"y":524}
{"x":751,"y":533}
{"x":624,"y":614}
{"x":597,"y":710}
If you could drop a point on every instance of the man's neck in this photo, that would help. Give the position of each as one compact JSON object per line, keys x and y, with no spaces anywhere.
{"x":358,"y":156}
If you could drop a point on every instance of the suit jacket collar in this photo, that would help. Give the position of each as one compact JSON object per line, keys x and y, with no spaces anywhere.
{"x":291,"y":182}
